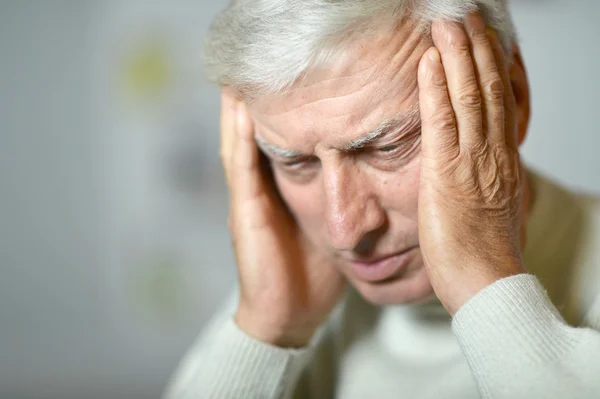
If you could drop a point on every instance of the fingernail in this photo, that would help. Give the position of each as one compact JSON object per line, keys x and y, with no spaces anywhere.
{"x":433,"y":55}
{"x":474,"y":23}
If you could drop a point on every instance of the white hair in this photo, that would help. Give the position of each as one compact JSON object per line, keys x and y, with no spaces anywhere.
{"x":260,"y":47}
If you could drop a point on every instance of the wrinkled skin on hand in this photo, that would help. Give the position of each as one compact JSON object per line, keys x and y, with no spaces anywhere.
{"x":471,"y":188}
{"x":287,"y":288}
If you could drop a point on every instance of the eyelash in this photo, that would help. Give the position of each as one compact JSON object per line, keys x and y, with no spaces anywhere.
{"x":388,"y":148}
{"x":297,"y":163}
{"x":291,"y":164}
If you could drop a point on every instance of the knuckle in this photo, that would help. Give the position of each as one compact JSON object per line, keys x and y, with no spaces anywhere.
{"x":443,"y":120}
{"x":438,"y":81}
{"x":480,"y":38}
{"x":478,"y":151}
{"x":507,"y":158}
{"x":500,"y":152}
{"x":461,"y":50}
{"x":470,"y":98}
{"x":493,"y":89}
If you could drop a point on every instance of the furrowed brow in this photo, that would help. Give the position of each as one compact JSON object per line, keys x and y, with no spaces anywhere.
{"x":406,"y":120}
{"x":274,"y":150}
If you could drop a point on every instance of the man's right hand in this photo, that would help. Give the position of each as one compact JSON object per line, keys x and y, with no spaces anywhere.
{"x":287,"y":288}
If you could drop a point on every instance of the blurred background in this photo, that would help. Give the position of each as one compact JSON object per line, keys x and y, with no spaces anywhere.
{"x":113,"y":242}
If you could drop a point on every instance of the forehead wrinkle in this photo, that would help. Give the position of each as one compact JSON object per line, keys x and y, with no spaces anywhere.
{"x":398,"y":122}
{"x":311,"y":104}
{"x":273,"y":149}
{"x":360,"y":81}
{"x":308,"y":81}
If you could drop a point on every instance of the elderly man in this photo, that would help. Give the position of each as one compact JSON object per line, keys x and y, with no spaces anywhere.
{"x":388,"y":241}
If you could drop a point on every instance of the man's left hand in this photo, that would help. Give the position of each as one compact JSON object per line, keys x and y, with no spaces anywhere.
{"x":471,"y":178}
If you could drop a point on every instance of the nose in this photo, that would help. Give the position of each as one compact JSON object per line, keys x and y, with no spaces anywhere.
{"x":353,"y":210}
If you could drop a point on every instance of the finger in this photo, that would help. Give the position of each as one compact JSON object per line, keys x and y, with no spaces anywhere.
{"x":491,"y":86}
{"x":510,"y":121}
{"x":246,"y":173}
{"x":228,"y":129}
{"x":439,"y":136}
{"x":453,"y":45}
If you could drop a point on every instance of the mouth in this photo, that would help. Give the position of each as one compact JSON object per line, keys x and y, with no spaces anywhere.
{"x":382,"y":269}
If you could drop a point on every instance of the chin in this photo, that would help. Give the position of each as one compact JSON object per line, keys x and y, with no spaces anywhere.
{"x":411,"y":288}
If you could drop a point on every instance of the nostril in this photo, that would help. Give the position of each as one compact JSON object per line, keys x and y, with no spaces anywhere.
{"x":365,"y":246}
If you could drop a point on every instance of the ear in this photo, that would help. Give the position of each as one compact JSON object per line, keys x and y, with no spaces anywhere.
{"x":520,"y":85}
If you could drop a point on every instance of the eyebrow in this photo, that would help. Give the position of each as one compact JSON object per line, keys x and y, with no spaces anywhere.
{"x":406,"y":120}
{"x":273,"y":149}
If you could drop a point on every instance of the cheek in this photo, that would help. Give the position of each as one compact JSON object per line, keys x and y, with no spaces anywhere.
{"x":305,"y":201}
{"x":399,"y":190}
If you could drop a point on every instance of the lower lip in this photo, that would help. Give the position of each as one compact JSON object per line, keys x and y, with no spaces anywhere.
{"x":383,"y":269}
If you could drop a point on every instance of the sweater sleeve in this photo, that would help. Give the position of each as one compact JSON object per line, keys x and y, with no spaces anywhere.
{"x":518,"y":345}
{"x":226,"y":363}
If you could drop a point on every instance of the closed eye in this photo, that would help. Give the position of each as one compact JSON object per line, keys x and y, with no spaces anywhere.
{"x":297,"y":162}
{"x":300,"y":170}
{"x":388,"y":148}
{"x":293,"y":163}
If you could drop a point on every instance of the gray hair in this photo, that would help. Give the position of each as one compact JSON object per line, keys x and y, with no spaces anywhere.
{"x":261,"y":47}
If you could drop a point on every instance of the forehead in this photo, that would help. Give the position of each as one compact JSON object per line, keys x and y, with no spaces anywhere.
{"x":374,"y":79}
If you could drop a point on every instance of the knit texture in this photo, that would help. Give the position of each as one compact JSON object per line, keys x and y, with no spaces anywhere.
{"x":534,"y":335}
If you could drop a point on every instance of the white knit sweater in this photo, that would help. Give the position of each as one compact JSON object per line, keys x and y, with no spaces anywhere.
{"x":515,"y":339}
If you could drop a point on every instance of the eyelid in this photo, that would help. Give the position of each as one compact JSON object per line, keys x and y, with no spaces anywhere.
{"x":398,"y":141}
{"x":393,"y":144}
{"x":401,"y":150}
{"x":292,"y":162}
{"x":389,"y":147}
{"x":296,"y":161}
